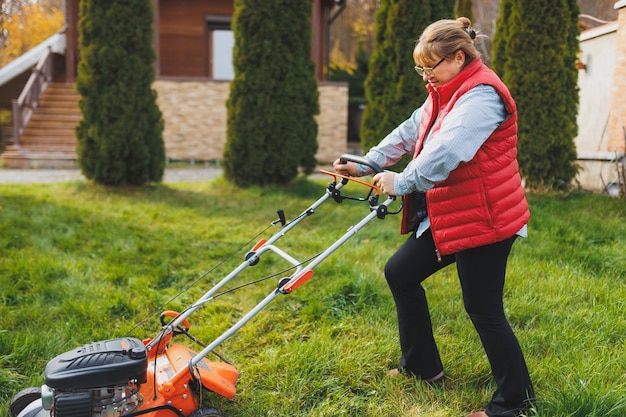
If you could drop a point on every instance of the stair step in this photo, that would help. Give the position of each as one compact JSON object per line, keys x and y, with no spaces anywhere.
{"x":62,"y":95}
{"x":58,"y":104}
{"x":69,"y":92}
{"x":39,"y":132}
{"x":48,"y":131}
{"x":50,"y":124}
{"x":66,"y":151}
{"x":60,"y":117}
{"x":49,"y":139}
{"x":12,"y":151}
{"x":54,"y":112}
{"x":48,"y":160}
{"x":70,"y":119}
{"x":48,"y":146}
{"x":54,"y":91}
{"x":56,"y":107}
{"x":35,"y":140}
{"x":24,"y":141}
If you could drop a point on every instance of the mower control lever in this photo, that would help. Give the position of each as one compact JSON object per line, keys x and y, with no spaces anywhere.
{"x":174,"y":315}
{"x":281,"y":218}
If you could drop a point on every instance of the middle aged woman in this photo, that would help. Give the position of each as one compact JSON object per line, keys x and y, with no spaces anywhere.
{"x":464,"y":203}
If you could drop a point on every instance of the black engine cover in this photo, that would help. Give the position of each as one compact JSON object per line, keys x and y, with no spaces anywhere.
{"x":100,"y":364}
{"x":73,"y":404}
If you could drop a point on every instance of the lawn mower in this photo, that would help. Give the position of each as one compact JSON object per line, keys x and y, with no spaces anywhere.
{"x":127,"y":376}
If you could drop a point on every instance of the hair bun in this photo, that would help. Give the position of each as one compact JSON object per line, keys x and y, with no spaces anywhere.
{"x":467,"y":26}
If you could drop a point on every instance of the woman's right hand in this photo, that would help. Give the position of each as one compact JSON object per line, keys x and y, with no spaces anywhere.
{"x":347,"y":168}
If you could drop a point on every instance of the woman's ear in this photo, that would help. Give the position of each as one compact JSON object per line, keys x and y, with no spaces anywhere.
{"x":459,"y":57}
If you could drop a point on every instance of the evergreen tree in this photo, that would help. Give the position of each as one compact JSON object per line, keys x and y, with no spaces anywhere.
{"x":392,"y":88}
{"x":500,"y":39}
{"x":120,"y":138}
{"x":463,"y":8}
{"x":271,"y":129}
{"x":535,"y":54}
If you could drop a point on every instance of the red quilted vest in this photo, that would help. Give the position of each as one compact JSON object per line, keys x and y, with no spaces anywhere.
{"x":482,"y":201}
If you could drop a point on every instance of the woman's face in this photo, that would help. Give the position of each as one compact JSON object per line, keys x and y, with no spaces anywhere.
{"x":443,"y":70}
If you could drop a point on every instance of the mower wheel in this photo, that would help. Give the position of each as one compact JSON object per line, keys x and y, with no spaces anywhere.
{"x":207,"y":412}
{"x":22,"y":399}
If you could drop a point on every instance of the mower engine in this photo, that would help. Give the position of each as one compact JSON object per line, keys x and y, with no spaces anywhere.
{"x":99,"y":379}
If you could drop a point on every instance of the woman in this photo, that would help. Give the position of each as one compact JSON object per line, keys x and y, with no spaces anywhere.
{"x":464,"y":203}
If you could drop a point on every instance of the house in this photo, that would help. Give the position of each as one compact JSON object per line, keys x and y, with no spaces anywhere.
{"x":601,"y":137}
{"x":193,"y":44}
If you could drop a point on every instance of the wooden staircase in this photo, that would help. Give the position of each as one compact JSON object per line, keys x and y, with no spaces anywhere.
{"x":48,"y":140}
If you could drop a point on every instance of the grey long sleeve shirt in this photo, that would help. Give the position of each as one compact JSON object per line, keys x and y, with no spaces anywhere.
{"x":464,"y":130}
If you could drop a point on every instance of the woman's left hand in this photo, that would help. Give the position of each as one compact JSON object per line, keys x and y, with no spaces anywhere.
{"x":384,"y":180}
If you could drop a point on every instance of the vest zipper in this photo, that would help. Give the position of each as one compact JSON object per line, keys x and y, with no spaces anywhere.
{"x":438,"y":255}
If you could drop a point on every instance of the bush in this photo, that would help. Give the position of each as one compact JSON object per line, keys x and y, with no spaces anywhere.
{"x":271,"y":129}
{"x":5,"y":128}
{"x":463,"y":8}
{"x":120,"y":138}
{"x":535,"y":50}
{"x":392,"y":88}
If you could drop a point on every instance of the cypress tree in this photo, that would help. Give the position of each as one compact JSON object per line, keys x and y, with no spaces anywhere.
{"x":120,"y":137}
{"x":271,"y":129}
{"x":463,"y":8}
{"x":501,"y":37}
{"x":392,"y":88}
{"x":535,"y":49}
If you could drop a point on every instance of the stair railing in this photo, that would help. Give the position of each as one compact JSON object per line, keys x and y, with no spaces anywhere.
{"x":28,"y":101}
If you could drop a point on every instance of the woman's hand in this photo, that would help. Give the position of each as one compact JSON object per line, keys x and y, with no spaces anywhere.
{"x":348,"y":169}
{"x":384,"y":180}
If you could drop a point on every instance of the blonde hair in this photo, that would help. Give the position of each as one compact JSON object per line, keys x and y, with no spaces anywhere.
{"x":443,"y":38}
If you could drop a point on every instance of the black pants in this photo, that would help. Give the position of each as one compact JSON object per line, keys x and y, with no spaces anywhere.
{"x":481,"y":273}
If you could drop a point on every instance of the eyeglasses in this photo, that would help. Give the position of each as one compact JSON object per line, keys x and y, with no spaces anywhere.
{"x":430,"y":72}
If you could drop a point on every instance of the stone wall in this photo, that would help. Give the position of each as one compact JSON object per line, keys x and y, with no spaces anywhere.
{"x":195,"y":119}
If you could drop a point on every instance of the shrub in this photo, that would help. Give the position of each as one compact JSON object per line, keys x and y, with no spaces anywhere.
{"x":464,"y":8}
{"x":120,"y":137}
{"x":271,"y":129}
{"x":392,"y":88}
{"x":535,"y":49}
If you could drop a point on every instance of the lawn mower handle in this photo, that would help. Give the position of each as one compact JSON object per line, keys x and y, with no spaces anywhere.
{"x":346,"y":157}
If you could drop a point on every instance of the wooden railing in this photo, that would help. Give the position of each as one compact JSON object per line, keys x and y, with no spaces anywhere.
{"x":28,"y":101}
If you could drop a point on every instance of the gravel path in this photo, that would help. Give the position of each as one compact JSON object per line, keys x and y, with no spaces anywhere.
{"x":44,"y":176}
{"x":25,"y":176}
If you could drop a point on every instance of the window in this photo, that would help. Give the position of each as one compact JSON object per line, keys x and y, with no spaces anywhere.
{"x":223,"y":43}
{"x":220,"y":43}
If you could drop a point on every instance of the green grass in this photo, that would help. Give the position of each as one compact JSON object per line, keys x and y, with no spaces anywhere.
{"x":80,"y":263}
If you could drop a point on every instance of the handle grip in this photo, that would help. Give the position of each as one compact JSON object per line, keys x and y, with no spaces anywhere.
{"x":346,"y":157}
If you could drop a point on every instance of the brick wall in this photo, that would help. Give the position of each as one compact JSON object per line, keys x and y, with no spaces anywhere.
{"x":195,"y":119}
{"x":617,"y":119}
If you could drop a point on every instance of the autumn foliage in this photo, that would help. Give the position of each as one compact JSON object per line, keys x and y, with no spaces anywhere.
{"x":24,"y":26}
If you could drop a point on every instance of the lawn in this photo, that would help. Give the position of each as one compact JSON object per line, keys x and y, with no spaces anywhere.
{"x":80,"y":263}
